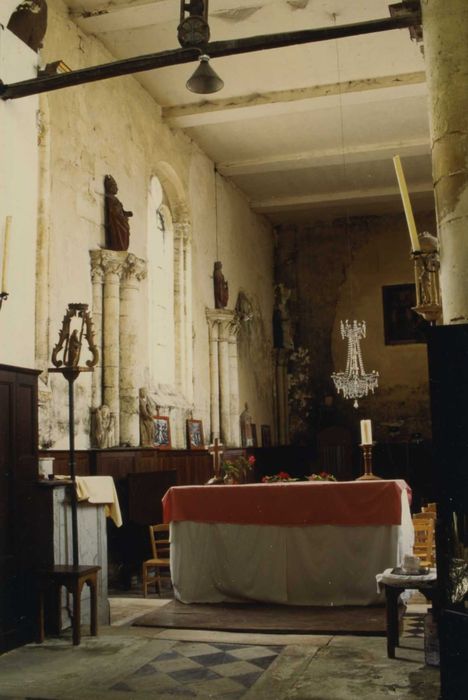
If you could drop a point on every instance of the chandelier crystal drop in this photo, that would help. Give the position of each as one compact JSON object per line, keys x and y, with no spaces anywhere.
{"x":354,"y":383}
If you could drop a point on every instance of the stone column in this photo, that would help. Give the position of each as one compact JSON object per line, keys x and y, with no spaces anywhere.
{"x":112,"y":264}
{"x":224,"y":380}
{"x":188,"y":315}
{"x":445,"y":27}
{"x":97,"y":278}
{"x":179,"y":304}
{"x":43,"y":240}
{"x":134,"y":270}
{"x":213,"y":331}
{"x":234,"y":411}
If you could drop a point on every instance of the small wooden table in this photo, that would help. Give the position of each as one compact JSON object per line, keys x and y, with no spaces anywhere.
{"x":73,"y":578}
{"x":394,"y":587}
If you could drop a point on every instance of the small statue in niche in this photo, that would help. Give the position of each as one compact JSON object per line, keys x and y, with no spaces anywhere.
{"x":116,"y":218}
{"x":104,"y":427}
{"x":29,"y":22}
{"x":221,"y":288}
{"x":147,"y":413}
{"x":246,"y":427}
{"x":74,"y":350}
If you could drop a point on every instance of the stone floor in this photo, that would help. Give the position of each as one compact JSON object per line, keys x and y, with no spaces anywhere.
{"x":148,"y":663}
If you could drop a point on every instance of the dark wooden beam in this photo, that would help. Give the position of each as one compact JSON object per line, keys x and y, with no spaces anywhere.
{"x":216,"y":49}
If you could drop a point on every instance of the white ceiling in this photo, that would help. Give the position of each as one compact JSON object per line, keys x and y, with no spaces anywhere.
{"x":305,"y":132}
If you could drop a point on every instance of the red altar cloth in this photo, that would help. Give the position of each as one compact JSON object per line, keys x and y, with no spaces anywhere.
{"x":291,"y":503}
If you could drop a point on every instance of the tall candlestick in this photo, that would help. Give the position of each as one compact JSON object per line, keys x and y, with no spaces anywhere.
{"x":6,"y":248}
{"x":366,"y":432}
{"x":406,"y":204}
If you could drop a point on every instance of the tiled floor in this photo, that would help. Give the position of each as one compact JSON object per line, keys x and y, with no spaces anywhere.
{"x":195,"y":669}
{"x":157,"y":664}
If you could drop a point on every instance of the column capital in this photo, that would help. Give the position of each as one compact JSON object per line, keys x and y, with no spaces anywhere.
{"x":108,"y":261}
{"x":222,"y":319}
{"x":182,"y":232}
{"x":135,"y":267}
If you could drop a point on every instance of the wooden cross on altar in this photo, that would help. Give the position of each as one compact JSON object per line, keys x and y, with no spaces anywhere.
{"x":216,"y":451}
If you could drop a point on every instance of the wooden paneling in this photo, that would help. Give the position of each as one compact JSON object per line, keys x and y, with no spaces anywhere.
{"x":18,"y":476}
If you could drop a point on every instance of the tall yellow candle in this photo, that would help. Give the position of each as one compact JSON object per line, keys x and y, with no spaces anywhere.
{"x":6,"y":249}
{"x":406,"y":204}
{"x":366,"y":432}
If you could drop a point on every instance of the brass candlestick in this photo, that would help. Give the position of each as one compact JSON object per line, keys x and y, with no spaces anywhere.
{"x":367,"y":455}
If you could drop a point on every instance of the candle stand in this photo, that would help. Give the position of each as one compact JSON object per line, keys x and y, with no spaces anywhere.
{"x":73,"y":576}
{"x":3,"y":297}
{"x":367,"y":456}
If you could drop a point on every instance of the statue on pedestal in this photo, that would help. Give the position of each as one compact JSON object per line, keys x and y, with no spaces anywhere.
{"x":147,"y":414}
{"x":29,"y":22}
{"x":104,"y":427}
{"x":116,"y":218}
{"x":246,"y":427}
{"x":221,"y":289}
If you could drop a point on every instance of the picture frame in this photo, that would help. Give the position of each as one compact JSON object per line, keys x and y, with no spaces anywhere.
{"x":402,"y":325}
{"x":195,"y":440}
{"x":162,"y":432}
{"x":265,"y":431}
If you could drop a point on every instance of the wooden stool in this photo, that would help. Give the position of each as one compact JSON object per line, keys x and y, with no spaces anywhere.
{"x":73,"y":578}
{"x":392,"y":593}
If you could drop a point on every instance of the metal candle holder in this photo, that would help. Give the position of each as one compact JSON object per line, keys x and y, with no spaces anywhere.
{"x":426,"y":271}
{"x":3,"y":297}
{"x":70,"y":343}
{"x":367,"y":456}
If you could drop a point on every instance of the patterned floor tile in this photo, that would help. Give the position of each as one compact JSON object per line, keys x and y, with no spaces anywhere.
{"x":236,"y":668}
{"x":202,"y":670}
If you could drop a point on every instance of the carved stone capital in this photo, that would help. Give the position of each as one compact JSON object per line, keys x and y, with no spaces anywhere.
{"x":135,"y":267}
{"x":183,"y":232}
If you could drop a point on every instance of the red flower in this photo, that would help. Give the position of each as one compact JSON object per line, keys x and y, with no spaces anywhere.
{"x":284,"y":475}
{"x":251,"y":460}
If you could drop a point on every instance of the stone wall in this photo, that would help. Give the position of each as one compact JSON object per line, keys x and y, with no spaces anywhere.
{"x":115,"y":127}
{"x":336,"y":271}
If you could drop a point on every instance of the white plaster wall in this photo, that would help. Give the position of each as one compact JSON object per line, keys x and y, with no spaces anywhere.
{"x":115,"y":127}
{"x":18,"y":199}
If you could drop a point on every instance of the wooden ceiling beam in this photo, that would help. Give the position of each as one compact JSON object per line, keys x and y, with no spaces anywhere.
{"x":215,"y":49}
{"x":253,"y":106}
{"x":329,"y":157}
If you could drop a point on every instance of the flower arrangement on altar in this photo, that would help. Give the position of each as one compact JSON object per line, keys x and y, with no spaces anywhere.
{"x":236,"y":469}
{"x":322,"y":476}
{"x":281,"y":476}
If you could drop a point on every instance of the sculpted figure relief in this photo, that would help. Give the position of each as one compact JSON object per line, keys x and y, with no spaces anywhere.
{"x":147,"y":413}
{"x":246,"y":427}
{"x":116,"y":218}
{"x":29,"y":22}
{"x":221,"y":289}
{"x":104,"y":427}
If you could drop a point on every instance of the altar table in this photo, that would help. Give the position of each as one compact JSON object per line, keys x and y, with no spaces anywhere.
{"x":299,"y":543}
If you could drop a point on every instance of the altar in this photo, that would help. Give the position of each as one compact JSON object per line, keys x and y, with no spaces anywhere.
{"x":300,"y":543}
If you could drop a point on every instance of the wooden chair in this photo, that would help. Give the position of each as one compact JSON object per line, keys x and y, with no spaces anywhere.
{"x":430,"y":508}
{"x":424,"y":540}
{"x":158,"y":567}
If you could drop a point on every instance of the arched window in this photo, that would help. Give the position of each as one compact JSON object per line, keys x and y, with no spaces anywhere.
{"x":161,"y":287}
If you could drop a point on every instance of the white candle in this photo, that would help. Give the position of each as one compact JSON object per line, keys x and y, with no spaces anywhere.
{"x":406,"y":204}
{"x":366,"y":432}
{"x":6,"y":248}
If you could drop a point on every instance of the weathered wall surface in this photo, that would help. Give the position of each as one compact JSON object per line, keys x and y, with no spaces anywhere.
{"x":115,"y":127}
{"x":18,"y":200}
{"x":336,"y":271}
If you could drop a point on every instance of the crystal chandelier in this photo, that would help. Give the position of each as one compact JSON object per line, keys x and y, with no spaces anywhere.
{"x":354,"y":383}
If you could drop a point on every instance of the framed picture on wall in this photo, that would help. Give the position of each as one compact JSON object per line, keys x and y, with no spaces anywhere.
{"x":402,"y":325}
{"x":162,"y":432}
{"x":266,"y":435}
{"x":195,"y":435}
